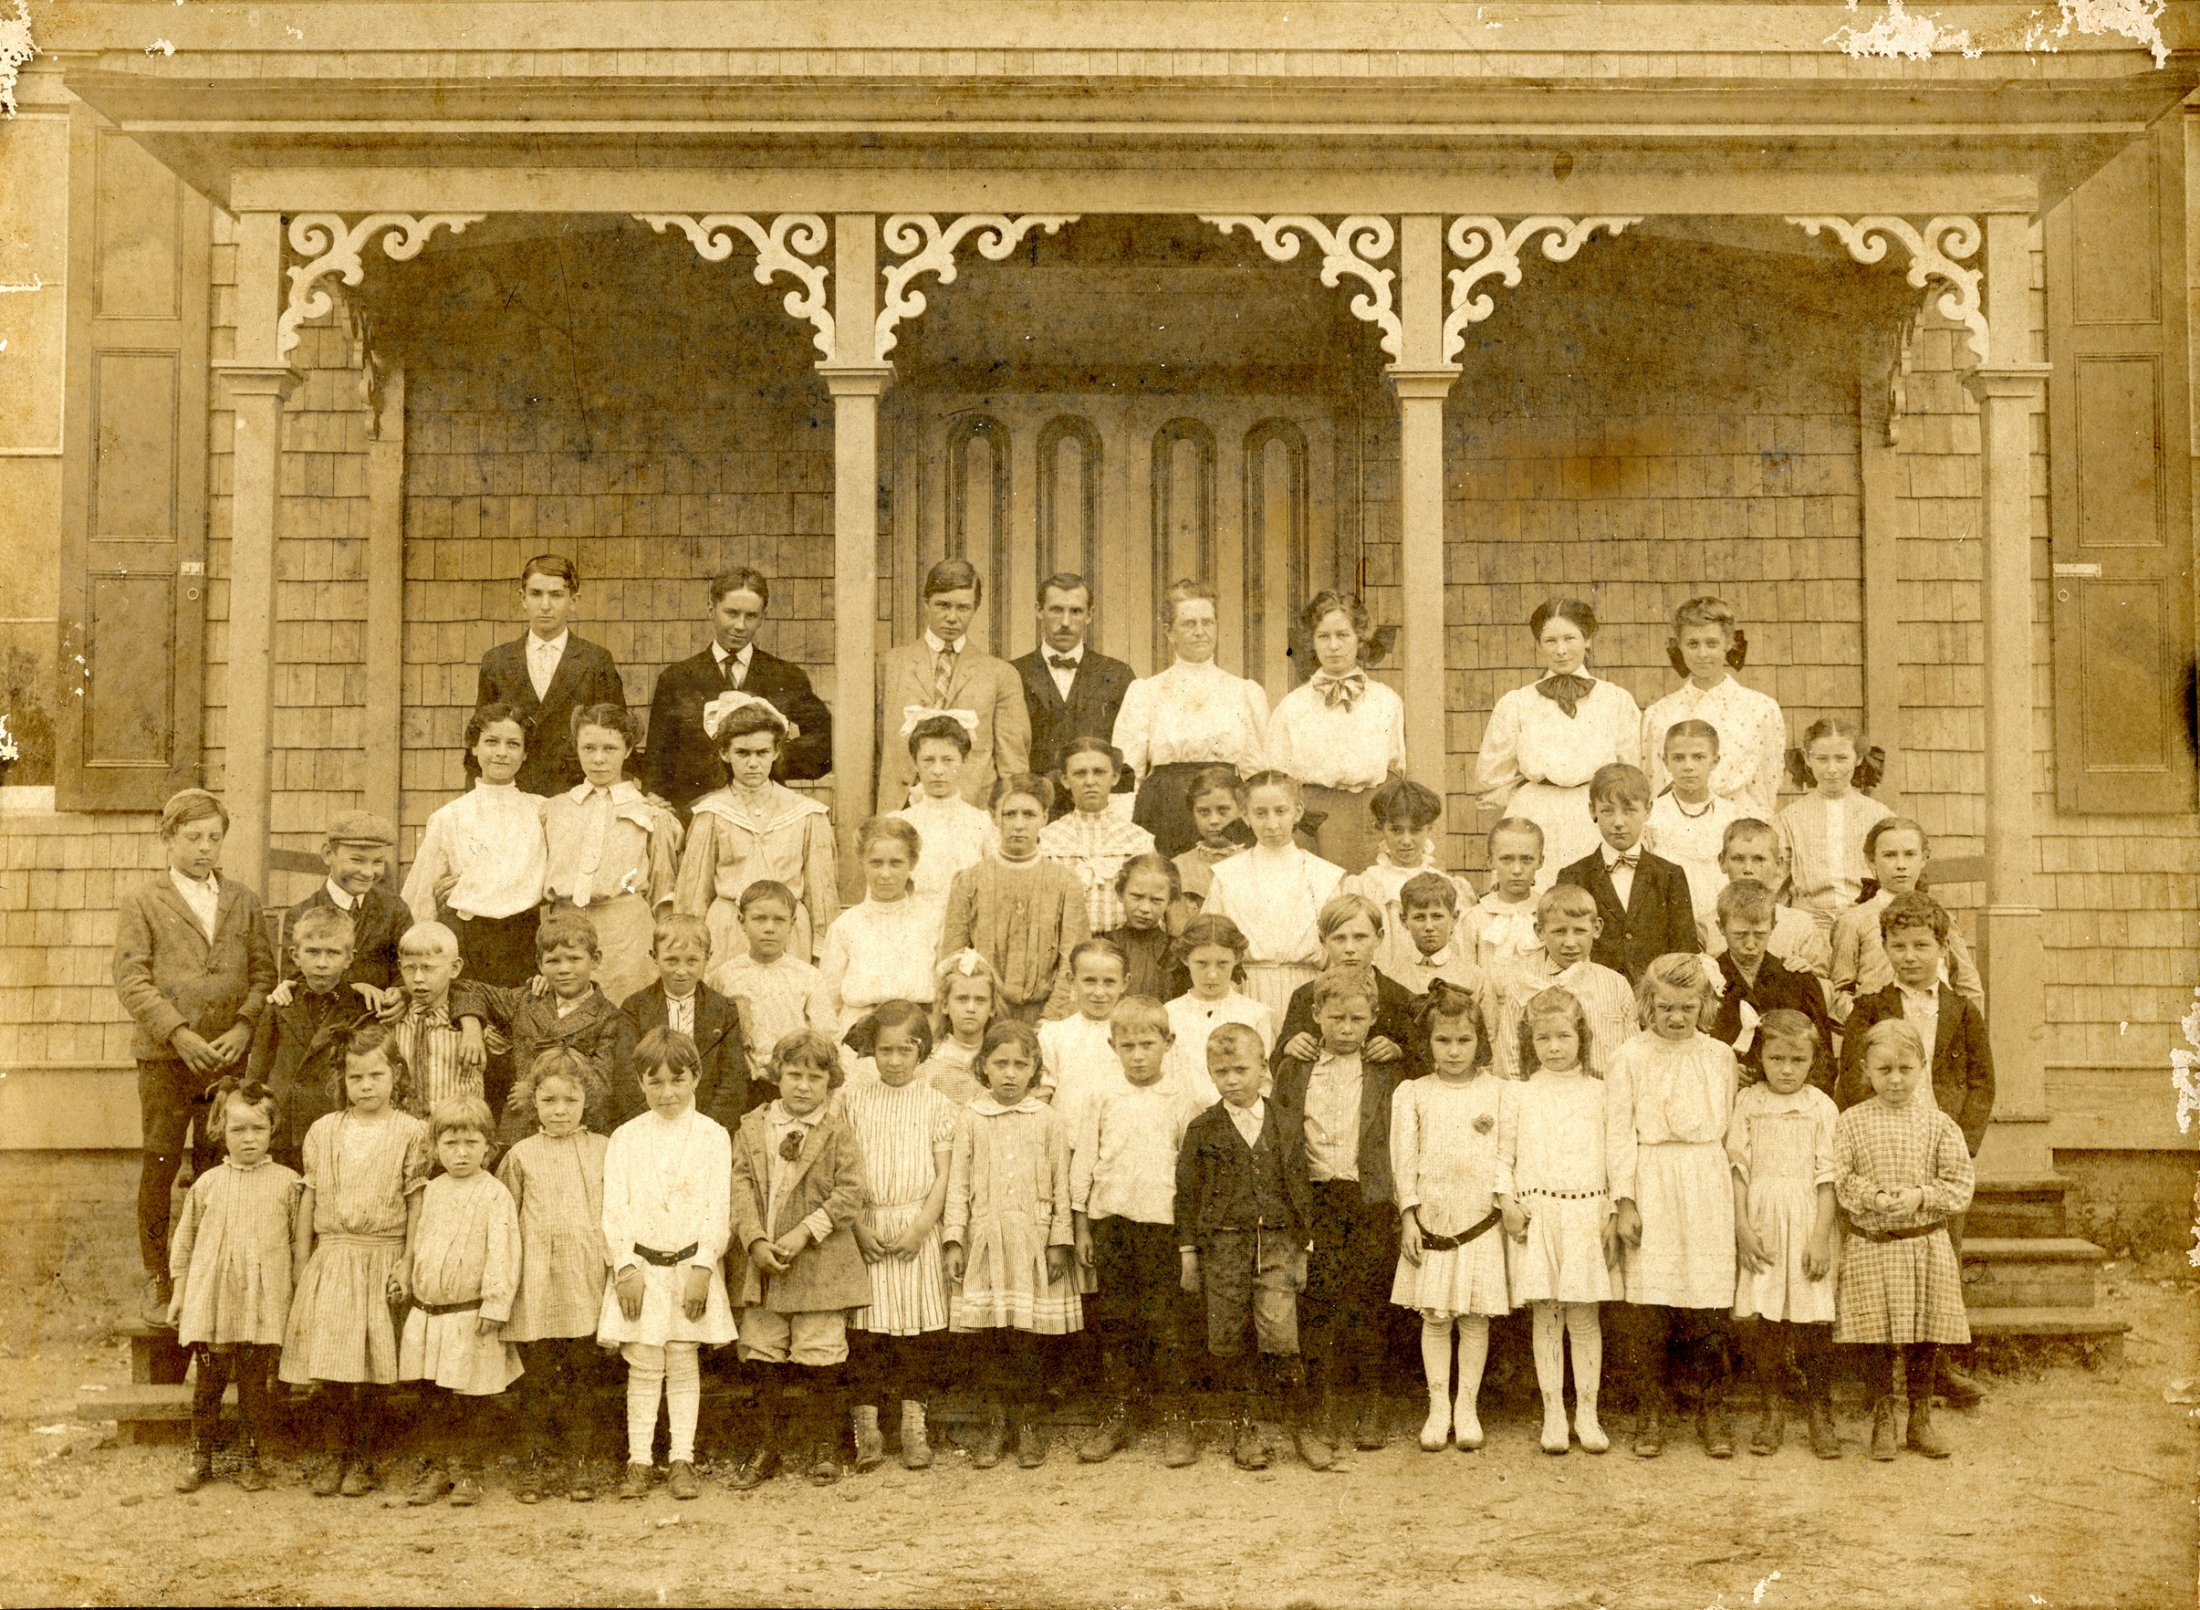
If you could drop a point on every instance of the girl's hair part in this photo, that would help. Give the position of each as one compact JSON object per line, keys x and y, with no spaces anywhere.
{"x":188,"y":805}
{"x":1900,"y":1032}
{"x":1340,"y":909}
{"x":1676,"y":970}
{"x":1002,"y":1031}
{"x":1211,"y":928}
{"x":807,"y":1048}
{"x":1549,"y":1003}
{"x":1270,"y":778}
{"x":1038,"y":788}
{"x":1090,"y":745}
{"x":1786,"y":1024}
{"x":1707,"y":610}
{"x":559,"y":1062}
{"x":1097,"y":946}
{"x":1577,"y":610}
{"x":907,"y":1016}
{"x":1446,"y":1002}
{"x":456,"y":1114}
{"x":1330,"y":602}
{"x":940,"y":727}
{"x":1689,"y":729}
{"x":1211,"y":780}
{"x":754,"y":717}
{"x":370,"y":1037}
{"x":249,"y":1091}
{"x":488,"y":715}
{"x":1403,"y":801}
{"x":1871,"y":760}
{"x":1156,"y":863}
{"x":904,"y":833}
{"x":1869,"y":889}
{"x":610,"y":717}
{"x":666,"y":1048}
{"x":1519,"y":825}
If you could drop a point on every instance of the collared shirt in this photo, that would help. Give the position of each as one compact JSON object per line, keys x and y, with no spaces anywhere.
{"x":1122,"y":1162}
{"x":938,"y":646}
{"x":1333,"y":1119}
{"x":739,"y":673}
{"x":430,"y":1042}
{"x":1248,"y":1119}
{"x":339,"y":897}
{"x":680,"y":1014}
{"x":543,"y":655}
{"x":1921,"y":1010}
{"x":491,"y":836}
{"x":202,"y":895}
{"x":1623,"y":877}
{"x":778,"y":1125}
{"x":1062,"y":678}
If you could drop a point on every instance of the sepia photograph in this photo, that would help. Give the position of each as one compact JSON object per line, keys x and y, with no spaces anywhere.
{"x":1074,"y":803}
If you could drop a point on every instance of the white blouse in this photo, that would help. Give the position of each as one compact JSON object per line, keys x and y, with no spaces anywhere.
{"x":1332,"y":747}
{"x":1529,"y":739}
{"x":1752,"y":741}
{"x":952,"y":834}
{"x":1274,"y":896}
{"x":874,"y":953}
{"x":492,"y":837}
{"x":1192,"y":713}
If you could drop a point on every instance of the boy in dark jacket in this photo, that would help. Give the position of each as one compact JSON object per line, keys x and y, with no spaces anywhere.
{"x":1643,"y":898}
{"x":1244,"y":1218}
{"x":298,"y":1046}
{"x":680,"y":946}
{"x":1754,"y":977}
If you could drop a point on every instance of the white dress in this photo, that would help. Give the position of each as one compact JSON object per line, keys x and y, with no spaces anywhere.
{"x":465,"y":1262}
{"x":952,"y":834}
{"x":1551,"y":1141}
{"x":1444,"y":1141}
{"x":1275,"y":897}
{"x":1192,"y":1020}
{"x":1536,"y":762}
{"x":1192,"y":714}
{"x":1781,"y":1148}
{"x":875,"y":953}
{"x":1332,"y":747}
{"x":1668,"y":1106}
{"x":1606,"y":1000}
{"x":1077,"y":1061}
{"x":1690,"y":836}
{"x":1505,"y":945}
{"x":667,"y":1186}
{"x":1752,"y":742}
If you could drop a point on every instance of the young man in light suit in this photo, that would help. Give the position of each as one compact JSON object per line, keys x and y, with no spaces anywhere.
{"x":941,"y":673}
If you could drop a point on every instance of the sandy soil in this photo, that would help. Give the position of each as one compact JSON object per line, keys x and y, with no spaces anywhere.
{"x":2070,"y":1487}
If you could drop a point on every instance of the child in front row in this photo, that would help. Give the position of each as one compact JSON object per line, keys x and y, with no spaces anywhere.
{"x":1244,"y":1217}
{"x":1274,"y":892}
{"x":555,"y":1176}
{"x":906,"y":1129}
{"x":1669,"y":1096}
{"x":1022,"y":912}
{"x":666,"y":1212}
{"x":231,"y":1261}
{"x":1444,"y":1138}
{"x":1555,"y":1193}
{"x":1900,"y":1169}
{"x":1780,"y":1143}
{"x":366,"y":1167}
{"x":465,"y":1268}
{"x":1149,"y":890}
{"x":798,"y":1185}
{"x":1213,"y":953}
{"x":1122,"y":1192}
{"x":1010,"y":1244}
{"x":1567,"y":923}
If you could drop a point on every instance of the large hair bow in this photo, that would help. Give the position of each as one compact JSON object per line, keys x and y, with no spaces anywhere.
{"x":911,"y":714}
{"x":719,"y":709}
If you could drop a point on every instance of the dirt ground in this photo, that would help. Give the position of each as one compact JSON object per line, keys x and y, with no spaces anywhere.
{"x":2071,"y":1486}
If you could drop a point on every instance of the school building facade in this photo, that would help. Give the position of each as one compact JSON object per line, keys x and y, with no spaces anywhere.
{"x":323,"y":317}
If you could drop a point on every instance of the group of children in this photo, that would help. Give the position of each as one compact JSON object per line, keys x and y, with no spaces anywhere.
{"x":1059,"y":1079}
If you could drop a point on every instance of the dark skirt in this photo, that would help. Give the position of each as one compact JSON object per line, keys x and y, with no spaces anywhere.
{"x":497,"y":950}
{"x":1343,"y":831}
{"x":1162,"y":808}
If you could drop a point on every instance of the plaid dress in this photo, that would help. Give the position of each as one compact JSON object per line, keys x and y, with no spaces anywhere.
{"x":1909,"y":1290}
{"x":1094,"y":848}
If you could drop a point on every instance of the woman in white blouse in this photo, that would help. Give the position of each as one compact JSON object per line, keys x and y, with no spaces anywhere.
{"x":1752,"y":731}
{"x":1341,"y":734}
{"x":1546,"y":740}
{"x":1193,"y":714}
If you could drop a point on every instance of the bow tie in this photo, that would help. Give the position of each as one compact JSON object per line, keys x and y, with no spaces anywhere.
{"x":1062,"y":662}
{"x":1626,"y":858}
{"x":1344,"y":690}
{"x":1566,"y":692}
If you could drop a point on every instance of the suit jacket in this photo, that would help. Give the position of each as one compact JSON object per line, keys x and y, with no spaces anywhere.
{"x":827,"y":1274}
{"x":169,"y":976}
{"x":295,"y":1053}
{"x":1378,"y":1082}
{"x":988,"y":687}
{"x":1393,"y":1020}
{"x":1657,"y":919}
{"x":723,"y":1093}
{"x":1095,"y":695}
{"x":1214,"y":1175}
{"x":533,"y":1024}
{"x":378,"y":922}
{"x":680,"y":764}
{"x":1778,"y":987}
{"x":585,"y":675}
{"x":1963,"y":1059}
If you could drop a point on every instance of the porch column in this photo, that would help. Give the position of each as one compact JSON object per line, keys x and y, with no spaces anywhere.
{"x":2009,"y":385}
{"x":254,"y":382}
{"x":1422,"y":378}
{"x":855,"y":376}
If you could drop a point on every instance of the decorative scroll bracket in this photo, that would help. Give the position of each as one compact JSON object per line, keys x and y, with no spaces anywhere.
{"x":1936,"y":253}
{"x":926,"y":246}
{"x":329,"y":247}
{"x":1490,"y":250}
{"x":1354,"y":247}
{"x":784,"y":247}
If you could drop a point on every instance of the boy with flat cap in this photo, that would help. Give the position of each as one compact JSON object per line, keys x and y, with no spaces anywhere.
{"x":357,"y":853}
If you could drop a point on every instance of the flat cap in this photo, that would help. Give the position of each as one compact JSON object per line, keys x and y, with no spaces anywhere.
{"x":361,"y":827}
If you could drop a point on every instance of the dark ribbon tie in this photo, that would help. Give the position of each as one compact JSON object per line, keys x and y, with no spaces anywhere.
{"x":1566,"y":692}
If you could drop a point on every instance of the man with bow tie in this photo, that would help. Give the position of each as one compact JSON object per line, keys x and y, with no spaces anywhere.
{"x":1071,"y":690}
{"x":547,"y":675}
{"x":942,"y":674}
{"x":681,"y":764}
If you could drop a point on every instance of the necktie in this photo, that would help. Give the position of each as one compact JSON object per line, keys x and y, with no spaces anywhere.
{"x":733,"y":671}
{"x":943,"y":675}
{"x":1566,"y":692}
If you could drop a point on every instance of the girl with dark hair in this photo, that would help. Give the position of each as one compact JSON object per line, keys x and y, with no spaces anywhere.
{"x":481,"y":860}
{"x":610,"y":851}
{"x":1341,"y":734}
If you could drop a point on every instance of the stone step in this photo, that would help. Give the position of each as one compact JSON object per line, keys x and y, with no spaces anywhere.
{"x":2101,"y":1334}
{"x":2031,"y":1272}
{"x":2025,"y":1205}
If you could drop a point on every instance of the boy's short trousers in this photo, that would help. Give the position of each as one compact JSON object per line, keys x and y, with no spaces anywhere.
{"x":815,"y":1338}
{"x":1249,"y":1278}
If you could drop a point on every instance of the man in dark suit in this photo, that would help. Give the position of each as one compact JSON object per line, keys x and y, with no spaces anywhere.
{"x":1642,"y":898}
{"x":680,"y":764}
{"x":1071,"y":690}
{"x":547,"y":675}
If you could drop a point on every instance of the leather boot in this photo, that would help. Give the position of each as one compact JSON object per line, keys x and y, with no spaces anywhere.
{"x":992,"y":1437}
{"x":1923,"y":1436}
{"x":1651,"y":1414}
{"x":1110,"y":1437}
{"x":201,"y":1469}
{"x":1886,"y":1440}
{"x":1371,"y":1422}
{"x":1825,"y":1437}
{"x":870,"y":1441}
{"x":1247,"y":1448}
{"x":916,"y":1446}
{"x":1179,"y":1445}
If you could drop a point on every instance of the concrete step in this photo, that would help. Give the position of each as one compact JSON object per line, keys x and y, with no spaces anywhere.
{"x":2101,"y":1334}
{"x":2031,"y":1272}
{"x":2025,"y":1205}
{"x":156,"y":1357}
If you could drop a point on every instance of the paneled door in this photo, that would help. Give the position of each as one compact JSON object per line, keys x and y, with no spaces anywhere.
{"x":1132,"y":492}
